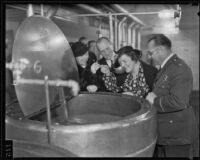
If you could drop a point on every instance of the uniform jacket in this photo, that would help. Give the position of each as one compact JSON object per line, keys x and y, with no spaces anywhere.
{"x":176,"y":119}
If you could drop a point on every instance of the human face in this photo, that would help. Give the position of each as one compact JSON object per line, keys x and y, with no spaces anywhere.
{"x":127,"y":63}
{"x":105,"y":49}
{"x":154,"y":52}
{"x":82,"y":60}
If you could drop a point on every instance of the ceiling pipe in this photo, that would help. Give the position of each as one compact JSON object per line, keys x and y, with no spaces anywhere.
{"x":121,"y":9}
{"x":138,"y":36}
{"x":109,"y":9}
{"x":115,"y":34}
{"x":41,"y":10}
{"x":51,"y":12}
{"x":120,"y":31}
{"x":129,"y":32}
{"x":124,"y":36}
{"x":30,"y":11}
{"x":93,"y":10}
{"x":89,"y":8}
{"x":133,"y":40}
{"x":37,"y":11}
{"x":111,"y":28}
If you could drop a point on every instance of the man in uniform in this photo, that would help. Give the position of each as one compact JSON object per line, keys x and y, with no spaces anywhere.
{"x":170,"y":96}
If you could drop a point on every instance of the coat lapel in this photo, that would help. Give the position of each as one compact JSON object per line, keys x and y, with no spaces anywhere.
{"x":161,"y":71}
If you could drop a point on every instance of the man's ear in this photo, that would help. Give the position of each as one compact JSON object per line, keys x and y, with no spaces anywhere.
{"x":111,"y":46}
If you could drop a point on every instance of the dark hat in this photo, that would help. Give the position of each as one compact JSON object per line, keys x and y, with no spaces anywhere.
{"x":79,"y":49}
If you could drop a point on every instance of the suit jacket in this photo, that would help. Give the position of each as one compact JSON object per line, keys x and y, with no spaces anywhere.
{"x":173,"y":85}
{"x":150,"y":73}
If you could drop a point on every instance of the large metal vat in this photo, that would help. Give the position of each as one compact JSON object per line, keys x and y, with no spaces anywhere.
{"x":99,"y":124}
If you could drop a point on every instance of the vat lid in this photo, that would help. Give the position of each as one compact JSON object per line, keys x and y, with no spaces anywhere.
{"x":42,"y":46}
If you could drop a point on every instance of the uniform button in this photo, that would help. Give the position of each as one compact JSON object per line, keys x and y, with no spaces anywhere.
{"x":170,"y":121}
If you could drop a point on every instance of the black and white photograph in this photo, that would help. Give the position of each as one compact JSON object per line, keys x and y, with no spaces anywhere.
{"x":101,"y":80}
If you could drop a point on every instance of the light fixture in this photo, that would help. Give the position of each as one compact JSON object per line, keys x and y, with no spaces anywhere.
{"x":166,"y":14}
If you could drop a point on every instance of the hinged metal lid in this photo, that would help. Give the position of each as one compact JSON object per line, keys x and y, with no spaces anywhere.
{"x":44,"y":50}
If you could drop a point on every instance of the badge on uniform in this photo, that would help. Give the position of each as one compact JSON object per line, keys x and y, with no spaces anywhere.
{"x":164,"y":77}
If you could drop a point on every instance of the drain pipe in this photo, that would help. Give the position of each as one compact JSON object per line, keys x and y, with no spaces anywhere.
{"x":124,"y":36}
{"x":138,"y":36}
{"x":30,"y":11}
{"x":133,"y":40}
{"x":41,"y":10}
{"x":129,"y":33}
{"x":111,"y":28}
{"x":120,"y":32}
{"x":116,"y":33}
{"x":51,"y":12}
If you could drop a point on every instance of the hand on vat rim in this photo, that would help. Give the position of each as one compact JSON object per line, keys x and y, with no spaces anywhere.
{"x":150,"y":97}
{"x":92,"y":88}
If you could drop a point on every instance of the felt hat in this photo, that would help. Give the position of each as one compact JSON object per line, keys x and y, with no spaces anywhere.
{"x":79,"y":49}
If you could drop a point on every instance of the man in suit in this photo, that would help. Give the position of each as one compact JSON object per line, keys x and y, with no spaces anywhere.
{"x":170,"y":96}
{"x":108,"y":62}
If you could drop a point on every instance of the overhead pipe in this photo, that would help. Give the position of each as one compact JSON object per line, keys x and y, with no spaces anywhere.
{"x":41,"y":10}
{"x":124,"y":36}
{"x":121,"y":9}
{"x":51,"y":12}
{"x":138,"y":36}
{"x":30,"y":11}
{"x":133,"y":40}
{"x":109,"y":9}
{"x":89,"y":8}
{"x":36,"y":10}
{"x":129,"y":33}
{"x":116,"y":33}
{"x":120,"y":32}
{"x":95,"y":10}
{"x":111,"y":28}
